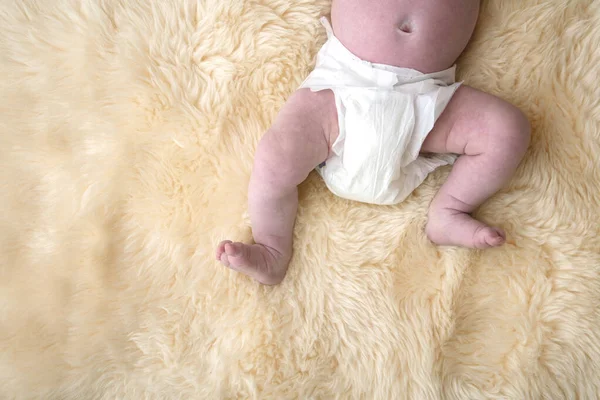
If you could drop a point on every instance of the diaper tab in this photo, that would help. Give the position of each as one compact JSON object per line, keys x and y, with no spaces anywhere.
{"x":328,"y":28}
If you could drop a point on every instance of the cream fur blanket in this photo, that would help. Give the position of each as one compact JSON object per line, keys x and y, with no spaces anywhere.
{"x":127,"y":132}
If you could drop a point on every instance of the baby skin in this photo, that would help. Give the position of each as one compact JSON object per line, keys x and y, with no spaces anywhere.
{"x":490,"y":135}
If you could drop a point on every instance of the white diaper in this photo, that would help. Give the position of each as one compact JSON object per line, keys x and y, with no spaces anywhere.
{"x":384,"y":114}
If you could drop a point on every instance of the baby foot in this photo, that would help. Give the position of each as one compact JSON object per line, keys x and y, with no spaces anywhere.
{"x":266,"y":265}
{"x":448,"y":227}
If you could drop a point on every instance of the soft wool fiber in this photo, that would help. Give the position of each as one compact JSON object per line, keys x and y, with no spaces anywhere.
{"x":127,"y":134}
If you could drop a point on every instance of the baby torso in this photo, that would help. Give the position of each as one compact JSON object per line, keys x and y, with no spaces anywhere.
{"x":425,"y":35}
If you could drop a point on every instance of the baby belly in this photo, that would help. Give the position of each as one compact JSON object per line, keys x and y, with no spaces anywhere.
{"x":426,"y":35}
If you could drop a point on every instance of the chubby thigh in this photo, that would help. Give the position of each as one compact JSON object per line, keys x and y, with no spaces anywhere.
{"x":299,"y":139}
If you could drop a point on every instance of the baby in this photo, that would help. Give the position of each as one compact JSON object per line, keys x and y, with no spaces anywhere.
{"x":380,"y":111}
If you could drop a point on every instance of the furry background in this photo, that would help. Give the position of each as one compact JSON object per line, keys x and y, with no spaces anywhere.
{"x":127,"y":133}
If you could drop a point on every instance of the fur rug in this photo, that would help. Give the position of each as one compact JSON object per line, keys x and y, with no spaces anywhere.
{"x":127,"y":134}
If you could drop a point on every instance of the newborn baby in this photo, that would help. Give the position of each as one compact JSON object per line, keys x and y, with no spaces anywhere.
{"x":380,"y":111}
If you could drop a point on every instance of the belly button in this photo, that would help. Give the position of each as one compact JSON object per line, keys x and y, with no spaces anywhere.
{"x":405,"y":27}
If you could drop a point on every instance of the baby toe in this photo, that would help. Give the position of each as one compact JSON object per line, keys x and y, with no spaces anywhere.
{"x":233,"y":249}
{"x":493,"y":237}
{"x":224,"y":259}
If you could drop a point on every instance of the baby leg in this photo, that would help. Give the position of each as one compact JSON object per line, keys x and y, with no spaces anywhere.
{"x":297,"y":142}
{"x":492,"y":136}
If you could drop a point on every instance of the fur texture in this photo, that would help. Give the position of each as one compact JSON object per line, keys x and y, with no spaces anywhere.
{"x":127,"y":134}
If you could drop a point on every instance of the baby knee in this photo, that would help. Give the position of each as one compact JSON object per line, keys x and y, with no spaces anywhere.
{"x":522,"y":127}
{"x":511,"y":128}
